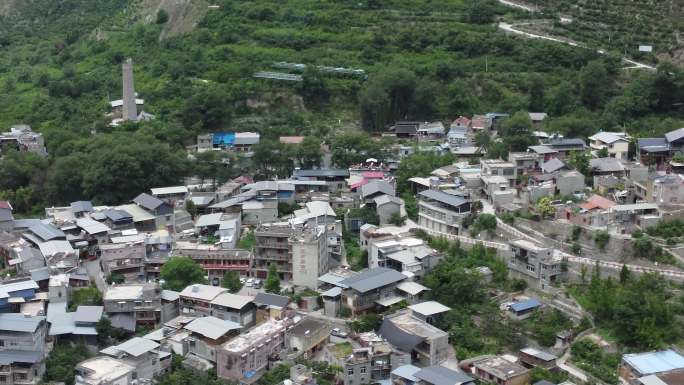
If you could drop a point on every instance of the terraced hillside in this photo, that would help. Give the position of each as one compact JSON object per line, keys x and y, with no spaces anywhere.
{"x":622,"y":24}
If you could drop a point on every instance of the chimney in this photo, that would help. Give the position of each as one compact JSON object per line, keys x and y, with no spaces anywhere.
{"x":129,"y":107}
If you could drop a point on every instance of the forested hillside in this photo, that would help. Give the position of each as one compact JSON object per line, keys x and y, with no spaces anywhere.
{"x":60,"y":63}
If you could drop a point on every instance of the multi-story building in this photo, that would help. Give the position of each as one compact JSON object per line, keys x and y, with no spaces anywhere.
{"x":125,"y":256}
{"x":334,"y":178}
{"x":308,"y":336}
{"x":535,"y":263}
{"x":196,"y":299}
{"x":524,"y":161}
{"x":16,"y":291}
{"x":441,"y":212}
{"x":216,"y":260}
{"x":299,"y":252}
{"x":365,"y":365}
{"x":401,"y":252}
{"x":615,"y":143}
{"x":427,"y":344}
{"x":207,"y":336}
{"x":249,"y":355}
{"x":22,"y":351}
{"x":130,"y":305}
{"x":104,"y":370}
{"x":236,"y":308}
{"x":144,"y":355}
{"x":498,"y":167}
{"x":370,"y":288}
{"x":500,"y":371}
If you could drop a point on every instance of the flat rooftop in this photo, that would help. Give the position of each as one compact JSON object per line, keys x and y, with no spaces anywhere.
{"x":500,"y":367}
{"x":104,"y":369}
{"x":413,"y":325}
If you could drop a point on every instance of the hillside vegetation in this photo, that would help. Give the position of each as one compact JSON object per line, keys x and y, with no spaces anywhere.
{"x":60,"y":63}
{"x":623,"y":24}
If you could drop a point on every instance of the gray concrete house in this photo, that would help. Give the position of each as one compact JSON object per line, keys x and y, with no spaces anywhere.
{"x":22,"y":351}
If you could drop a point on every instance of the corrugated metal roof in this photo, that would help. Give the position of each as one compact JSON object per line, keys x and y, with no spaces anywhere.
{"x":212,"y":327}
{"x":373,"y":279}
{"x":52,"y":248}
{"x":273,"y":300}
{"x":135,"y":347}
{"x":91,"y":226}
{"x":81,"y":206}
{"x":439,"y":375}
{"x":148,"y":201}
{"x":429,"y":308}
{"x":321,"y":173}
{"x":232,"y":301}
{"x":88,"y":314}
{"x":655,"y":362}
{"x":525,"y":305}
{"x":407,"y":371}
{"x":169,"y":295}
{"x":46,"y":232}
{"x":377,"y":186}
{"x":451,"y":200}
{"x":17,"y":322}
{"x":8,"y":357}
{"x":539,"y":354}
{"x":173,"y":190}
{"x":412,"y":288}
{"x":675,"y":135}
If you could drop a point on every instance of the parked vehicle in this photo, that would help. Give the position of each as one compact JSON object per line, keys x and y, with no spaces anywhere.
{"x":337,"y":332}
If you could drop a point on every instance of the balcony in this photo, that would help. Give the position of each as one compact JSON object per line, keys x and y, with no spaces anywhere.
{"x":224,"y":266}
{"x":272,"y":245}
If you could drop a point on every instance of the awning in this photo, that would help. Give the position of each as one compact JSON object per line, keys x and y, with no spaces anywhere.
{"x":389,"y":301}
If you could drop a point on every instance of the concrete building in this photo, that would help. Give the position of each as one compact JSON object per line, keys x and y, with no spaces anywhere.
{"x":299,"y":252}
{"x":663,"y":189}
{"x":370,"y":288}
{"x":334,"y":178}
{"x":130,"y":305}
{"x":427,"y":344}
{"x":308,"y":336}
{"x":23,"y":139}
{"x":104,"y":370}
{"x":403,"y":253}
{"x":215,"y":260}
{"x":442,"y":212}
{"x":247,"y":356}
{"x":533,"y":358}
{"x":144,"y":355}
{"x":569,"y":183}
{"x":498,"y":167}
{"x":636,"y":366}
{"x":22,"y":352}
{"x":364,"y":365}
{"x":387,"y":206}
{"x":195,"y":300}
{"x":125,"y":256}
{"x":207,"y":335}
{"x":537,"y":264}
{"x":615,"y":143}
{"x":235,"y":308}
{"x":500,"y":371}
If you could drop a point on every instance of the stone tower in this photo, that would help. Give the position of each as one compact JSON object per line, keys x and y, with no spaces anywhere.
{"x":129,"y":108}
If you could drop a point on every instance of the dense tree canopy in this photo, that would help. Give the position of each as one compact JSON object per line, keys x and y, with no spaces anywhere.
{"x":179,"y":272}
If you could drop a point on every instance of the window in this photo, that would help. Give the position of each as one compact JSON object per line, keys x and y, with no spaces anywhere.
{"x":2,"y":343}
{"x":363,"y":370}
{"x":350,"y":371}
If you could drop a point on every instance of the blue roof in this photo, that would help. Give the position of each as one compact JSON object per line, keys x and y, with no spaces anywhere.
{"x":224,"y":138}
{"x":525,"y":305}
{"x":655,"y":362}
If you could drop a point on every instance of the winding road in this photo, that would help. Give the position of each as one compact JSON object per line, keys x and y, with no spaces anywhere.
{"x":511,"y":29}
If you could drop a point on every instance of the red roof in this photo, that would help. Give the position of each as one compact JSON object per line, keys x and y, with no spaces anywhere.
{"x":462,"y":121}
{"x":373,"y":174}
{"x":244,"y":179}
{"x":359,"y":184}
{"x":597,"y":201}
{"x":5,"y":205}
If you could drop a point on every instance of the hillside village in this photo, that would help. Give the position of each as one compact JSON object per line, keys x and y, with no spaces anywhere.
{"x":334,"y":266}
{"x":211,"y":242}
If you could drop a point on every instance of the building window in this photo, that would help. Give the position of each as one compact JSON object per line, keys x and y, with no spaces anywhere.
{"x":350,"y":371}
{"x":363,"y":370}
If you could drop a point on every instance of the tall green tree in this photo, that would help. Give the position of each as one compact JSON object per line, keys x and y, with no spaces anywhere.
{"x":272,"y":283}
{"x":231,"y":281}
{"x":179,"y":272}
{"x":595,"y":84}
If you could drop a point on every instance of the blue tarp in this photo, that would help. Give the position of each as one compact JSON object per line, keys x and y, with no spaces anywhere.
{"x":525,"y":305}
{"x":224,"y":138}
